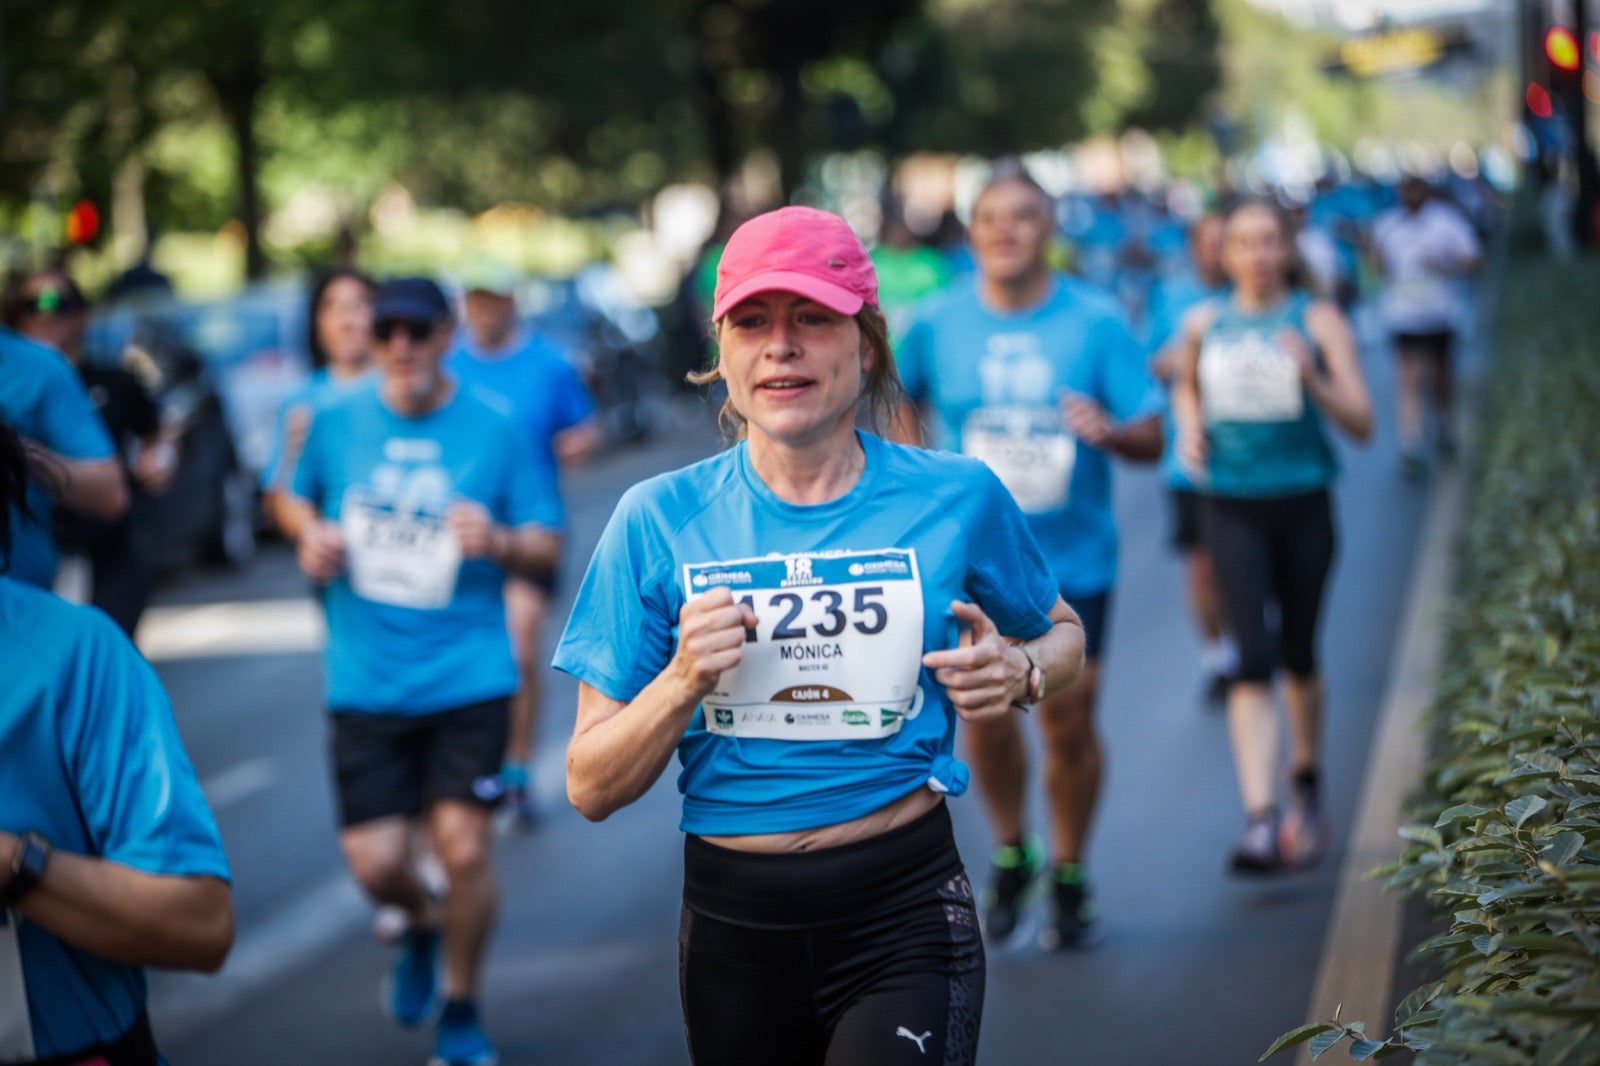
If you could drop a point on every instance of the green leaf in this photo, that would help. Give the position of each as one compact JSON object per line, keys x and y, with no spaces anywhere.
{"x":1415,"y":1002}
{"x":1487,"y":945}
{"x":1524,"y":807}
{"x":1422,"y":834}
{"x":1461,"y":812}
{"x":1390,"y":1050}
{"x":1323,"y":1041}
{"x":1362,"y":1050}
{"x":1551,"y":648}
{"x":1557,"y":1047}
{"x":1295,"y":1036}
{"x":1563,"y":848}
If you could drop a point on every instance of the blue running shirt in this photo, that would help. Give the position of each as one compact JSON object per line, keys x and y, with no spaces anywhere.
{"x":1170,"y":300}
{"x":830,"y":715}
{"x":318,"y":390}
{"x":42,"y":398}
{"x":412,"y":628}
{"x":1266,"y":436}
{"x":544,"y":392}
{"x":995,"y":380}
{"x":90,"y":759}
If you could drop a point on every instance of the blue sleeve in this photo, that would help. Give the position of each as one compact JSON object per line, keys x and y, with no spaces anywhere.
{"x":1009,"y":578}
{"x":1127,"y":388}
{"x":68,"y":423}
{"x":620,"y":633}
{"x":307,"y":481}
{"x":912,"y":356}
{"x":572,"y":402}
{"x":137,"y":791}
{"x":530,"y":495}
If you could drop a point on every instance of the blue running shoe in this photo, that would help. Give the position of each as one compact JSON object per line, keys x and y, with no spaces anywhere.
{"x":411,"y":991}
{"x":461,"y":1041}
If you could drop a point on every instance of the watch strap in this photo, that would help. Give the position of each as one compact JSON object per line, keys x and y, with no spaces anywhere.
{"x":28,"y":863}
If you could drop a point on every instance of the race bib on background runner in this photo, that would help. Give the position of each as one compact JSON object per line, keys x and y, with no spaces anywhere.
{"x":398,"y":557}
{"x":837,"y":648}
{"x":1028,"y":449}
{"x":16,"y":1031}
{"x":1249,"y":379}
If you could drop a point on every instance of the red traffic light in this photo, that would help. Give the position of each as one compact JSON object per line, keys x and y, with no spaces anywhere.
{"x":83,"y":222}
{"x":1538,"y":100}
{"x":1562,"y":48}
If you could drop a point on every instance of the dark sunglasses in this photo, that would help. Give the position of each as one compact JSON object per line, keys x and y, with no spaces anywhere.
{"x":51,"y":300}
{"x":384,"y":329}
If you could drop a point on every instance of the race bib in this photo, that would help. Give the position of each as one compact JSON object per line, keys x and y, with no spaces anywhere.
{"x":16,"y":1031}
{"x":1249,"y":379}
{"x":1029,"y":451}
{"x":397,"y":557}
{"x":836,"y":652}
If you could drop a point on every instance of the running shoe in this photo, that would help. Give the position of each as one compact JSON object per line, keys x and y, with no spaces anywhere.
{"x":1257,"y":850}
{"x":1073,"y":924}
{"x":1011,"y":870}
{"x":411,"y":990}
{"x":460,"y":1041}
{"x":1303,"y":835}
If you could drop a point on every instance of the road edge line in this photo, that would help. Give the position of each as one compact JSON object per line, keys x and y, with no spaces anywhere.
{"x":1360,"y":950}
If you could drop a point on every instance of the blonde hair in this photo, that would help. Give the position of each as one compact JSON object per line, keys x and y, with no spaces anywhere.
{"x":881,"y":397}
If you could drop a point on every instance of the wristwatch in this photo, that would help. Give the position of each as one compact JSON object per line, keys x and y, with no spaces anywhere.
{"x":27,"y":867}
{"x":1035,"y":692}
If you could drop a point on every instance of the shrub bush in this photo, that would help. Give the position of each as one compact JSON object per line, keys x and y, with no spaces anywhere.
{"x":1507,"y":851}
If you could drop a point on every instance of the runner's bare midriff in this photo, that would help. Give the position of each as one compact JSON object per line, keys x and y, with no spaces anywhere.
{"x":903,"y":811}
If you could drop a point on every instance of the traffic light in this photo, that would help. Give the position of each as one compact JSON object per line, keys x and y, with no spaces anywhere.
{"x":83,"y":223}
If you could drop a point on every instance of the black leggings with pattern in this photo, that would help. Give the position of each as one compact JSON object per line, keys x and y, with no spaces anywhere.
{"x":863,"y":955}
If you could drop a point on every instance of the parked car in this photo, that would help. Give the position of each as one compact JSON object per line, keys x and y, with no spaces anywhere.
{"x":220,"y":371}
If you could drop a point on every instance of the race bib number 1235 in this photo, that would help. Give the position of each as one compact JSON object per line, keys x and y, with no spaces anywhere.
{"x":836,"y":653}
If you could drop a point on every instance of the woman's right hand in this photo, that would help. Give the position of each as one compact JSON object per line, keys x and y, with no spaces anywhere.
{"x":712,"y":630}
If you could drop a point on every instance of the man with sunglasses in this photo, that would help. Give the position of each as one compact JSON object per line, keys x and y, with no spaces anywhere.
{"x":412,"y":499}
{"x":44,"y":401}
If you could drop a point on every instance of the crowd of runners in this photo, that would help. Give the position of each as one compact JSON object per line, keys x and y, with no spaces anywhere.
{"x":905,"y":561}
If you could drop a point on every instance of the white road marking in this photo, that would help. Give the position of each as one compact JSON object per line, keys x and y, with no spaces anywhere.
{"x":239,"y":782}
{"x":246,"y":627}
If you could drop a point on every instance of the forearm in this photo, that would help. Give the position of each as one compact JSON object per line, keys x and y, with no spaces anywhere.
{"x":94,"y":487}
{"x":578,"y":444}
{"x":1140,"y":441}
{"x":615,"y":761}
{"x":525,"y":549}
{"x":125,"y":915}
{"x":291,"y":513}
{"x":1351,"y":412}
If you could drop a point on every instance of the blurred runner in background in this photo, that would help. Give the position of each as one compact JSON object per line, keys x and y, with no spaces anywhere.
{"x":1260,"y":370}
{"x":412,"y":500}
{"x":110,"y":859}
{"x":339,"y":328}
{"x":546,"y":397}
{"x":50,"y":308}
{"x":46,"y":402}
{"x":1170,"y":300}
{"x":1038,"y":375}
{"x":1422,"y":247}
{"x":909,"y":269}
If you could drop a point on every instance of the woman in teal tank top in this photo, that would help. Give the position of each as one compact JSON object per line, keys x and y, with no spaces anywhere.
{"x":1261,"y":374}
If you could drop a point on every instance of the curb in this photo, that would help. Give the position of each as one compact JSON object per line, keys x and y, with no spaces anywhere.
{"x":1360,"y":950}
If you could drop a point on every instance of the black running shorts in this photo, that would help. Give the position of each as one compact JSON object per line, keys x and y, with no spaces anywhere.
{"x":392,"y":765}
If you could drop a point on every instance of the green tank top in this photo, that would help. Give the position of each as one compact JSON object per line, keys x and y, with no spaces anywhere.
{"x":1266,"y":436}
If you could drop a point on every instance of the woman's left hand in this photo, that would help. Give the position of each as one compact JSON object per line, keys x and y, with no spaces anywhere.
{"x":980,"y":674}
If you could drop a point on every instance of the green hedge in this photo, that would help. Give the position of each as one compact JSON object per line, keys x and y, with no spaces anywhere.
{"x":1507,"y":852}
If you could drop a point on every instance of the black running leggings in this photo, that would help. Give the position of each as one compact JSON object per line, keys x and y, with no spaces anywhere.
{"x":1275,"y":550}
{"x":863,"y":955}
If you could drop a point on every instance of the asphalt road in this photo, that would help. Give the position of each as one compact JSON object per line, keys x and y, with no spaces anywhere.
{"x":1195,"y":967}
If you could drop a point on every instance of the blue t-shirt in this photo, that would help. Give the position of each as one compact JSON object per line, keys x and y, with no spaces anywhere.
{"x":1170,"y":300}
{"x":994,"y":381}
{"x":830,"y":716}
{"x":42,"y":398}
{"x":425,"y":633}
{"x":544,"y":392}
{"x":1265,"y":435}
{"x":314,"y":393}
{"x":90,"y":759}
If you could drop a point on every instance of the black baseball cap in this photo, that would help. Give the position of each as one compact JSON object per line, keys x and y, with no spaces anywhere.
{"x":412,"y":299}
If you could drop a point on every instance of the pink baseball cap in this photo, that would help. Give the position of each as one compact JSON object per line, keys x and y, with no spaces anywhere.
{"x":802,"y":250}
